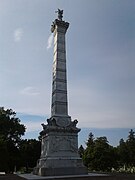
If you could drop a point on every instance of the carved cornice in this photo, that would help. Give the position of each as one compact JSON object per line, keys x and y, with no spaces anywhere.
{"x":64,"y":25}
{"x":52,"y":126}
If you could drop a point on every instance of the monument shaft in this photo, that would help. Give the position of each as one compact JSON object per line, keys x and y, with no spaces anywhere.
{"x":59,"y":86}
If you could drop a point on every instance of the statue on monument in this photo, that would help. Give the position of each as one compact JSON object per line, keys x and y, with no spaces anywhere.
{"x":60,"y":14}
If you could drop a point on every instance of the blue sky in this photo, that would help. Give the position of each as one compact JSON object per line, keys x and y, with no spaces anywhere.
{"x":100,"y":60}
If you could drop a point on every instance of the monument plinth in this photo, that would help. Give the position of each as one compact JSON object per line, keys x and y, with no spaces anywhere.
{"x":59,"y":149}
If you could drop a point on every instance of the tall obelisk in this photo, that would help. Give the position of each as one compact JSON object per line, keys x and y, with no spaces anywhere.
{"x":59,"y":108}
{"x":59,"y":149}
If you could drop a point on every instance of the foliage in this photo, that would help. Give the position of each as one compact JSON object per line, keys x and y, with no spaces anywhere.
{"x":3,"y":155}
{"x":122,"y":150}
{"x":126,"y":150}
{"x":131,"y":148}
{"x":10,"y":127}
{"x":100,"y":156}
{"x":14,"y":151}
{"x":10,"y":135}
{"x":30,"y":152}
{"x":88,"y":153}
{"x":81,"y":151}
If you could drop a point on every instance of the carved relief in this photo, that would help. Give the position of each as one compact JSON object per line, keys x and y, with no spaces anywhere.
{"x":66,"y":143}
{"x":62,"y":122}
{"x":74,"y":144}
{"x":44,"y":147}
{"x":54,"y":144}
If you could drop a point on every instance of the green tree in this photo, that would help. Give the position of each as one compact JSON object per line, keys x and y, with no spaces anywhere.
{"x":123,"y":154}
{"x":99,"y":155}
{"x":104,"y":155}
{"x":81,"y":151}
{"x":88,"y":153}
{"x":10,"y":132}
{"x":3,"y":155}
{"x":29,"y":152}
{"x":130,"y":142}
{"x":90,"y":141}
{"x":126,"y":150}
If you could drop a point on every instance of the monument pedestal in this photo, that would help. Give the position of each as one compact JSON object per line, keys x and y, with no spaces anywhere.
{"x":59,"y":153}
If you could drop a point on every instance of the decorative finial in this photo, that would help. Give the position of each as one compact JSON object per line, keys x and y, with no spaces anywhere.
{"x":60,"y":14}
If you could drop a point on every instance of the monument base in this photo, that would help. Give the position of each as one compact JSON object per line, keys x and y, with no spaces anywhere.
{"x":60,"y":171}
{"x":59,"y":167}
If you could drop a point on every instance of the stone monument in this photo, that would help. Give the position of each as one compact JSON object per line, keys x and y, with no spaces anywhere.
{"x":59,"y":148}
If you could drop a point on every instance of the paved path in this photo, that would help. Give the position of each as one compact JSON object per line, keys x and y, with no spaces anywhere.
{"x":91,"y":176}
{"x":32,"y":177}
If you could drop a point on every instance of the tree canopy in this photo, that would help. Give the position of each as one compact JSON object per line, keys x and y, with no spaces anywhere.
{"x":10,"y":136}
{"x":10,"y":127}
{"x":100,"y":156}
{"x":15,"y":152}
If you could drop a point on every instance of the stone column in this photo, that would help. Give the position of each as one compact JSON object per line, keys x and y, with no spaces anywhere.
{"x":59,"y":85}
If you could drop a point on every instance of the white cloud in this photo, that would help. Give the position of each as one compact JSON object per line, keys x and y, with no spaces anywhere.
{"x":30,"y":91}
{"x":18,"y":33}
{"x":96,"y":109}
{"x":49,"y":42}
{"x":33,"y":126}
